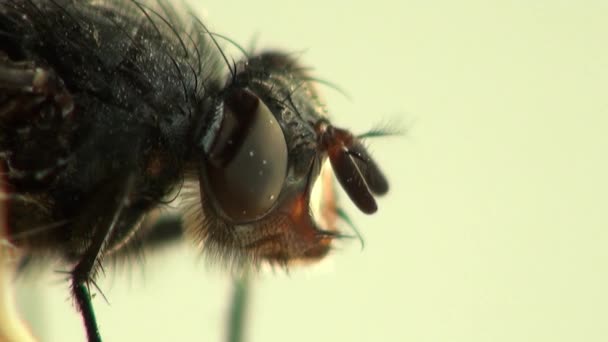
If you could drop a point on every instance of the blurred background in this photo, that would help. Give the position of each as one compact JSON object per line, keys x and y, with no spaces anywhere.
{"x":496,"y":226}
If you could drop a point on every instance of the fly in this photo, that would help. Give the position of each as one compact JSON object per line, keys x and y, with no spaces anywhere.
{"x":109,"y":109}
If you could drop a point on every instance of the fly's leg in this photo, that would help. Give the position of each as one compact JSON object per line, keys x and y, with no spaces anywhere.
{"x":115,"y":199}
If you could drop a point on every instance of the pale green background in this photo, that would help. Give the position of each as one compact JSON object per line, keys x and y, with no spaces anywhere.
{"x":496,"y":226}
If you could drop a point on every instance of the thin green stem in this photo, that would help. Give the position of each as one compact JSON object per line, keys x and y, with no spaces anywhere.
{"x":238,"y":308}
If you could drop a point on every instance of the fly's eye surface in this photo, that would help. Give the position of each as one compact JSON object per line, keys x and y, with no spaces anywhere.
{"x":247,"y":162}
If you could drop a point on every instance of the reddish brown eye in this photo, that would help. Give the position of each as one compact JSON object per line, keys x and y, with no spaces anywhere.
{"x":247,"y":163}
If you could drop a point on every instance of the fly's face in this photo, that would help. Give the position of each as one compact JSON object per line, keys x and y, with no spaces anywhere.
{"x":260,"y":156}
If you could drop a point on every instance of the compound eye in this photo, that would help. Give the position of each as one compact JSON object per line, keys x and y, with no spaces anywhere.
{"x":247,"y":162}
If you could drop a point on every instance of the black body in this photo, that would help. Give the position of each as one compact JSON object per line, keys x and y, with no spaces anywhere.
{"x":131,"y":113}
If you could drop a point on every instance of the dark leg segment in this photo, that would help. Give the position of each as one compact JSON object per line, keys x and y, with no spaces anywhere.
{"x":83,"y":301}
{"x":83,"y":274}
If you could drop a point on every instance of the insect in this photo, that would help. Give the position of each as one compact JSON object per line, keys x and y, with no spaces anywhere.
{"x":110,"y":109}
